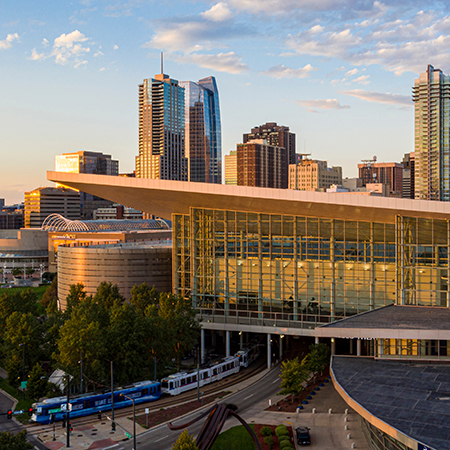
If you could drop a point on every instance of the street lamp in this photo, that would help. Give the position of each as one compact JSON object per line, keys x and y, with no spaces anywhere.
{"x":134,"y":421}
{"x":113,"y":424}
{"x":23,"y":369}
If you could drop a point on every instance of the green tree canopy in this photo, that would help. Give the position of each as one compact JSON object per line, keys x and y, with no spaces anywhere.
{"x":108,"y":294}
{"x":10,"y":441}
{"x":318,"y":357}
{"x":37,"y":383}
{"x":293,"y":374}
{"x":142,"y":296}
{"x":50,"y":294}
{"x":185,"y":442}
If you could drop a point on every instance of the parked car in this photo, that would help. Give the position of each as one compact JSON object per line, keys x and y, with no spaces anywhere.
{"x":303,"y":437}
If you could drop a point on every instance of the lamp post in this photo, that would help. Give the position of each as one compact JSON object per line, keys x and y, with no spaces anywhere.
{"x":23,"y":368}
{"x":134,"y":421}
{"x":67,"y":411}
{"x":198,"y":374}
{"x":81,"y":364}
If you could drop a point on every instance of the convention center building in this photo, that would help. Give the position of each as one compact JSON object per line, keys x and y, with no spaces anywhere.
{"x":369,"y":275}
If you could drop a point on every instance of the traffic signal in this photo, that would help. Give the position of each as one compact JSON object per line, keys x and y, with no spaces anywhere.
{"x":113,"y":426}
{"x":64,"y":421}
{"x":30,"y":412}
{"x":99,"y":415}
{"x":53,"y":418}
{"x":70,"y":427}
{"x":9,"y":413}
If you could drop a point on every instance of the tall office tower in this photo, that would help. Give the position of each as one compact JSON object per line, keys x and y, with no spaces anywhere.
{"x":387,"y":173}
{"x":261,"y":165}
{"x":43,"y":201}
{"x":276,"y":135}
{"x":231,"y":168}
{"x":203,"y":130}
{"x":431,"y":96}
{"x":408,"y":175}
{"x":88,"y":162}
{"x":312,"y":175}
{"x":161,"y":130}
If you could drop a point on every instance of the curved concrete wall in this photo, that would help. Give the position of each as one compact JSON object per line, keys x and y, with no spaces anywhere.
{"x":123,"y":265}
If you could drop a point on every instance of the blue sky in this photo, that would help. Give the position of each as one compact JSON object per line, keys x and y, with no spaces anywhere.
{"x":338,"y":73}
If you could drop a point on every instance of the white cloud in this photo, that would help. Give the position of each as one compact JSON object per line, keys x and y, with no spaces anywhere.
{"x":222,"y":62}
{"x":352,"y":72}
{"x":69,"y":47}
{"x":45,"y":42}
{"x":380,"y":97}
{"x":116,"y":47}
{"x":35,"y":56}
{"x":102,"y":69}
{"x":281,"y":71}
{"x":363,"y":79}
{"x":330,"y":103}
{"x":7,"y":43}
{"x":218,"y":13}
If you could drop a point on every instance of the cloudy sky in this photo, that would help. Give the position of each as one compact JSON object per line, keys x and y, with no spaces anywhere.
{"x":337,"y":72}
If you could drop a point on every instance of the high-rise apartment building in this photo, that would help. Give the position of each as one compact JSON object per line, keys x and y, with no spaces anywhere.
{"x":276,"y":135}
{"x":88,"y":162}
{"x":312,"y":175}
{"x":161,"y":130}
{"x":386,"y":173}
{"x":203,"y":140}
{"x":231,"y":168}
{"x":431,"y":96}
{"x":408,"y":175}
{"x":43,"y":201}
{"x":261,"y":165}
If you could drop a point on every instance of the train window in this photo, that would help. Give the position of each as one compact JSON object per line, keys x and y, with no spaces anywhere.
{"x":215,"y":371}
{"x":170,"y":385}
{"x":86,"y":404}
{"x":145,"y":391}
{"x":164,"y":384}
{"x":183,"y":381}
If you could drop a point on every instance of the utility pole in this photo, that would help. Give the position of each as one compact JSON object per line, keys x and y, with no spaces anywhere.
{"x":67,"y":411}
{"x":113,"y":424}
{"x":23,"y":369}
{"x":198,"y":374}
{"x":81,"y":365}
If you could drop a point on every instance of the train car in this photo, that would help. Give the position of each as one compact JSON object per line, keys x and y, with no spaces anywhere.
{"x":54,"y":409}
{"x":180,"y":382}
{"x":248,"y":355}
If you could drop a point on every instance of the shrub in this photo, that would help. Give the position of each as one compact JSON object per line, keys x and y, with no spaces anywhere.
{"x":280,"y":428}
{"x":285,"y":445}
{"x":283,"y":433}
{"x":266,"y":431}
{"x":269,"y":441}
{"x":283,"y":438}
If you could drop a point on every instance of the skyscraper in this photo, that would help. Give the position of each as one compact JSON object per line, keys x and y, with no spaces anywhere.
{"x":276,"y":135}
{"x":161,"y":130}
{"x":431,"y":96}
{"x":88,"y":162}
{"x":203,"y":130}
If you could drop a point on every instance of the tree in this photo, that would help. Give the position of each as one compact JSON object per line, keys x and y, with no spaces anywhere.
{"x":10,"y":441}
{"x":318,"y":357}
{"x":74,"y":298}
{"x":182,"y":327}
{"x":29,"y":271}
{"x":51,"y":293}
{"x":142,"y":296}
{"x":37,"y":384}
{"x":107,"y":294}
{"x":17,"y":271}
{"x":185,"y":442}
{"x":293,"y":375}
{"x":14,"y":369}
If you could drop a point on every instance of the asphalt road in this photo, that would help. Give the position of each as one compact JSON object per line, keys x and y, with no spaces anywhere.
{"x":10,"y":425}
{"x":161,"y":438}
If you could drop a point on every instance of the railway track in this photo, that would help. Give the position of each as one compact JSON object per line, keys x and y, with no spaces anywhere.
{"x":163,"y":402}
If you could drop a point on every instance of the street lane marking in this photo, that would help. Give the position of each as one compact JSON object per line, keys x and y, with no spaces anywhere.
{"x":248,"y":397}
{"x":162,"y":438}
{"x":276,"y":381}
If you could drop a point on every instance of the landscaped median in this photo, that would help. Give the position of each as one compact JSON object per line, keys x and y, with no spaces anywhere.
{"x":270,"y":437}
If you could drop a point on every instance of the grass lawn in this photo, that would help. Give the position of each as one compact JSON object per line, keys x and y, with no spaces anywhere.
{"x":236,"y":438}
{"x":39,"y":291}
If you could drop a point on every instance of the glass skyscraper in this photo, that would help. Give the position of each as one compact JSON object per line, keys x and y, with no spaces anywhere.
{"x":431,"y":95}
{"x":203,"y":130}
{"x":161,"y":130}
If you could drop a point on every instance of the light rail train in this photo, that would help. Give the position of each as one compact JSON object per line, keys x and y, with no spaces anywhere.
{"x":54,"y":409}
{"x":180,"y":382}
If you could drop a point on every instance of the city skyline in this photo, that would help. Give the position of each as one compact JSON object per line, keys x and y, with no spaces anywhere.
{"x":70,"y":75}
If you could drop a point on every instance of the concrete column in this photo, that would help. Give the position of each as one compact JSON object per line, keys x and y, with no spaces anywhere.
{"x":333,"y":346}
{"x":241,"y":340}
{"x":351,"y":346}
{"x":202,"y":345}
{"x":358,"y":347}
{"x":316,"y":340}
{"x":269,"y":352}
{"x":227,"y":343}
{"x":281,"y":346}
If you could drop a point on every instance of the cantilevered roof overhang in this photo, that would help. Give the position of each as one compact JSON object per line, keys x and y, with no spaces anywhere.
{"x":392,"y":322}
{"x":164,"y":197}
